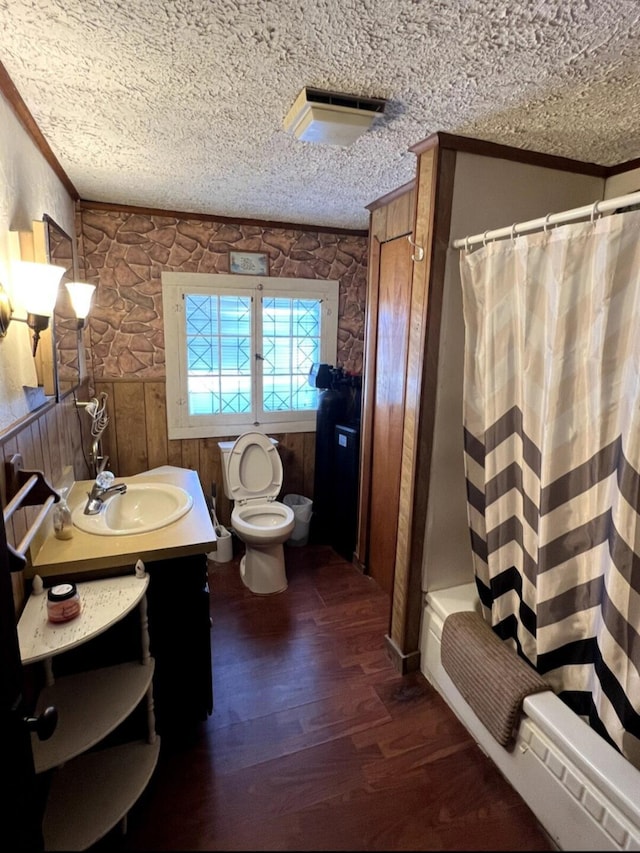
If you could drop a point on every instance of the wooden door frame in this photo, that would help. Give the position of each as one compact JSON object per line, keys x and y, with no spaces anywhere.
{"x":430,"y":219}
{"x":391,"y":216}
{"x":436,"y":169}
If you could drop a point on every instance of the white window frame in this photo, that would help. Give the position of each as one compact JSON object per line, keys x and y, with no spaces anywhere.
{"x":174,"y":287}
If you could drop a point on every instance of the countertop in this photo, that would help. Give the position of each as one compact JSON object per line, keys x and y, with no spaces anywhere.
{"x":85,"y":552}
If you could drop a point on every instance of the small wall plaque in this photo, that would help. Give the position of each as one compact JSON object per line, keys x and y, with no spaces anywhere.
{"x":249,"y":263}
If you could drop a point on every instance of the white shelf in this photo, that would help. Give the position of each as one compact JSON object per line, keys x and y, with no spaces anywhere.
{"x":90,"y":706}
{"x":103,"y":602}
{"x":92,"y":793}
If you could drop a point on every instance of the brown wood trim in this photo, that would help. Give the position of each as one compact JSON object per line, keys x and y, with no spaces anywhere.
{"x":470,"y":145}
{"x":428,"y":164}
{"x":368,"y":386}
{"x":85,"y":204}
{"x":443,"y":203}
{"x":431,"y":141}
{"x":403,"y":663}
{"x":25,"y":118}
{"x":433,"y":224}
{"x":392,"y":196}
{"x":620,"y":168}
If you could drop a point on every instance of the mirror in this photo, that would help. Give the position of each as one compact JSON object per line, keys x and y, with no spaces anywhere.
{"x":66,"y":337}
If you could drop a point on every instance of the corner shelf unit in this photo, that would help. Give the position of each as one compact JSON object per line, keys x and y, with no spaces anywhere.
{"x":91,"y":791}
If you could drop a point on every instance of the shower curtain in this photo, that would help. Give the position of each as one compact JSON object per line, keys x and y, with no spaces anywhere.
{"x":552,"y":458}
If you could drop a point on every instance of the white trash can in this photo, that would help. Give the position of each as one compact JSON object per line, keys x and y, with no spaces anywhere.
{"x":302,"y":509}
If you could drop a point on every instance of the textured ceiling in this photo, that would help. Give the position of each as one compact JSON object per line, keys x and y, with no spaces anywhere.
{"x":178,"y":104}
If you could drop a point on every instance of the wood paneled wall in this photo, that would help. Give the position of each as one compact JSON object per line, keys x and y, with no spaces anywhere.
{"x":57,"y":437}
{"x":136,"y":440}
{"x":50,"y":440}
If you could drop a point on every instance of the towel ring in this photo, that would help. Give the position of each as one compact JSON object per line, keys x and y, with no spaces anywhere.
{"x":595,"y":211}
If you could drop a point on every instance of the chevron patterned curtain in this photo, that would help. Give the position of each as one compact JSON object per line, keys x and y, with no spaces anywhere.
{"x":552,"y":457}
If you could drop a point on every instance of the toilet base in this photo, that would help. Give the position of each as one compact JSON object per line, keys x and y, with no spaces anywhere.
{"x":262,"y":570}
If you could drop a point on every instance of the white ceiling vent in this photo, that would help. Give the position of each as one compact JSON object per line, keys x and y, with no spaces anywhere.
{"x":330,"y":118}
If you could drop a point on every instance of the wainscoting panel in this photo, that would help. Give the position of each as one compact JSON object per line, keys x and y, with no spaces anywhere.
{"x":136,"y":440}
{"x":51,"y":439}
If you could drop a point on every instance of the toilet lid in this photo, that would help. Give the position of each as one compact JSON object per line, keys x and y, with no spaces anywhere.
{"x":255,"y":469}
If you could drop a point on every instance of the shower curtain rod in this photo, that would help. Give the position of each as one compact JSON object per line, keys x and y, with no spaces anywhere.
{"x":592,"y":210}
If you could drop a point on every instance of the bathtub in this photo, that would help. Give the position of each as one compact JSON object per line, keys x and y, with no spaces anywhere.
{"x":585,"y":795}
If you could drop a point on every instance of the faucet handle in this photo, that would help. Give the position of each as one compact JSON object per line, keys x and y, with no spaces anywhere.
{"x":105,"y":479}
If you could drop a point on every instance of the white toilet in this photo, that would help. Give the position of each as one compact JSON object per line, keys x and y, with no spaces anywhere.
{"x":252,"y":478}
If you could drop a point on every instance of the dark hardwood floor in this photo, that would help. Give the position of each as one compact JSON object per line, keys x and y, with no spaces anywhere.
{"x":316,"y":743}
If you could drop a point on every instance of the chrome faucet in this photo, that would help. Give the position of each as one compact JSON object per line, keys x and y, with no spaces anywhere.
{"x":102,"y":489}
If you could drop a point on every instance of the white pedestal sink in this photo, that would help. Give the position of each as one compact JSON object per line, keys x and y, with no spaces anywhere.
{"x":142,"y":508}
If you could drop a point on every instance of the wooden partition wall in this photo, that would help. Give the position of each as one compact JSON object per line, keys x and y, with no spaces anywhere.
{"x":420,"y":209}
{"x":136,"y":440}
{"x":437,"y":172}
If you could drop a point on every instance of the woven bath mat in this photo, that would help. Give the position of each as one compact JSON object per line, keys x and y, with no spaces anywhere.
{"x":491,"y":677}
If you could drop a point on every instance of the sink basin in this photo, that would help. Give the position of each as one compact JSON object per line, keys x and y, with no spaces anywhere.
{"x":143,"y":507}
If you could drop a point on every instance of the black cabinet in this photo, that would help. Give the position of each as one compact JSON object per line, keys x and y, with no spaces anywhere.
{"x":331,"y":410}
{"x":180,"y":639}
{"x":179,"y":626}
{"x":345,"y":475}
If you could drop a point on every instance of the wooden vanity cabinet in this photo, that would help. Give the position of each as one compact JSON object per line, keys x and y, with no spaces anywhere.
{"x":178,"y":595}
{"x":179,"y":627}
{"x":91,"y":776}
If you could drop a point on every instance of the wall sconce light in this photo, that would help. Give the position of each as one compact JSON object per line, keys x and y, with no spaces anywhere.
{"x":37,"y":285}
{"x":81,"y":295}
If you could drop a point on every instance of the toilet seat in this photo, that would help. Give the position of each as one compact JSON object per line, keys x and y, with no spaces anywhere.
{"x":255,"y":469}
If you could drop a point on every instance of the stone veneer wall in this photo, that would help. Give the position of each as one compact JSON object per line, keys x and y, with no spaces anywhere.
{"x":124,"y":254}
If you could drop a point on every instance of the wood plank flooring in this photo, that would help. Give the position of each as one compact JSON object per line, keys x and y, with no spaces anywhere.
{"x":316,"y":743}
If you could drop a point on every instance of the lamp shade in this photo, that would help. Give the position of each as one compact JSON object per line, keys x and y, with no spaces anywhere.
{"x":81,"y":295}
{"x":37,"y":288}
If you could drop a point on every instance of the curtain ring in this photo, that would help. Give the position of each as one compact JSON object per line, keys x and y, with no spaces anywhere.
{"x":594,"y":211}
{"x":546,"y":222}
{"x":484,"y":237}
{"x":513,"y":233}
{"x":466,"y":243}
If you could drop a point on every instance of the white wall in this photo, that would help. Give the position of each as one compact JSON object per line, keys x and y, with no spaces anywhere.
{"x":28,"y":189}
{"x":488,"y":193}
{"x":622,"y":184}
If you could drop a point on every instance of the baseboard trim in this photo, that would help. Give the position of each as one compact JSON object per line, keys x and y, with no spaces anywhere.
{"x":404,"y":663}
{"x":360,"y":566}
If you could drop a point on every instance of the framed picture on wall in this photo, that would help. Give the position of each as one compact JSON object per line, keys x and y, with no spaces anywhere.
{"x":249,"y":263}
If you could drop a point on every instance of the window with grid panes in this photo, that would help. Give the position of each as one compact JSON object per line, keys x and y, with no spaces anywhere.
{"x":239,"y":350}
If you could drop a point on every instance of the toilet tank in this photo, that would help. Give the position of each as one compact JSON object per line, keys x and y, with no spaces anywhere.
{"x":225,"y":451}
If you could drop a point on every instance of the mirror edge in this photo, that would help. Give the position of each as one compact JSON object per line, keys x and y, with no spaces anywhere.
{"x":72,"y":274}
